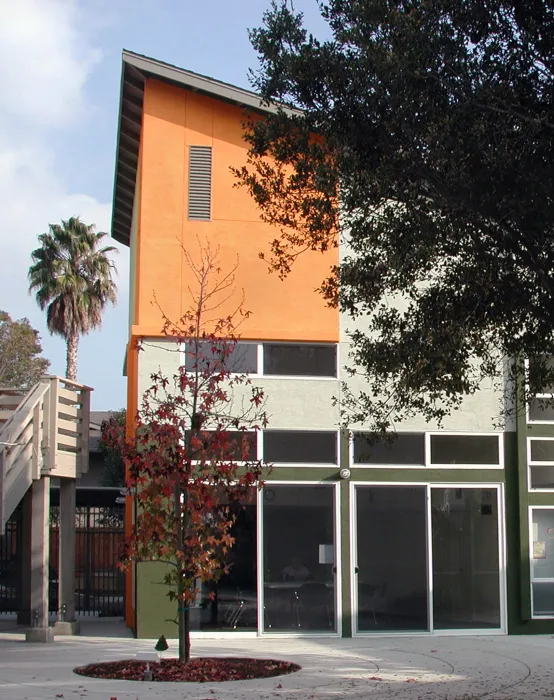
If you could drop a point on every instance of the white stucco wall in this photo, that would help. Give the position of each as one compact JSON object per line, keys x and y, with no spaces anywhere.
{"x":480,"y":412}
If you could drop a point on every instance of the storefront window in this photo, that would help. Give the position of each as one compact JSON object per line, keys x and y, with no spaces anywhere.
{"x":299,"y":558}
{"x":231,"y":602}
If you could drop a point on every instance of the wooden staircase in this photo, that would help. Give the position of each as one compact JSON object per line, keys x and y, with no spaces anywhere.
{"x":42,"y":433}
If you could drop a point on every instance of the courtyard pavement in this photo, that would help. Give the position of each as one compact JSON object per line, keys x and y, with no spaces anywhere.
{"x":404,"y":668}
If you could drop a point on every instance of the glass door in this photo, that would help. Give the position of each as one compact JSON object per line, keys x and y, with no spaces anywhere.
{"x":299,"y":562}
{"x":466,"y":558}
{"x":391,"y":559}
{"x":427,"y":558}
{"x":542,"y":561}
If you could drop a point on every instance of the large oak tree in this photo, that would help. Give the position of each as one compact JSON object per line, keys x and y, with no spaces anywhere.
{"x":434,"y":121}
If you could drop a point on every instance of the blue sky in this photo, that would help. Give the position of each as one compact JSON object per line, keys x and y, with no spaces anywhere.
{"x":60,"y":64}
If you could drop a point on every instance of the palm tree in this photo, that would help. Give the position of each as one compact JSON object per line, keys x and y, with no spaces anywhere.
{"x":72,"y":277}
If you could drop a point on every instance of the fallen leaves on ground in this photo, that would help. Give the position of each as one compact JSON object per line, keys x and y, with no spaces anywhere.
{"x":202,"y":670}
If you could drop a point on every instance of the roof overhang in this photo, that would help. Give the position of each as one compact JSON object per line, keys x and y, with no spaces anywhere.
{"x":136,"y":70}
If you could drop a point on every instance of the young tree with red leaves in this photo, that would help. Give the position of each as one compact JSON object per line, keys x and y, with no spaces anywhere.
{"x":191,"y":458}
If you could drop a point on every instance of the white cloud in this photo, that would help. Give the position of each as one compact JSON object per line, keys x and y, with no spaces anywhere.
{"x":44,"y":61}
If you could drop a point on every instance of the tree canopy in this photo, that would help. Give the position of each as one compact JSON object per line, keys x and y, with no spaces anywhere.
{"x":112,"y":437}
{"x":72,"y":275}
{"x":21,"y":361}
{"x":433,"y":123}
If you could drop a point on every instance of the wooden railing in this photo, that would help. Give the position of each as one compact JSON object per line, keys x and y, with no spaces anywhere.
{"x":44,"y":433}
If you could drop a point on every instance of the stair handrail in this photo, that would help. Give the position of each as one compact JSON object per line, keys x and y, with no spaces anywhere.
{"x":12,"y":429}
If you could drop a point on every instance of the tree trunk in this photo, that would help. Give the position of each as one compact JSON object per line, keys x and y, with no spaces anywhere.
{"x":71,"y":358}
{"x":182,"y":609}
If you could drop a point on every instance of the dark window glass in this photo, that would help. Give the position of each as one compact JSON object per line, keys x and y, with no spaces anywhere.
{"x":242,"y":358}
{"x":542,"y":450}
{"x":300,"y":446}
{"x":541,"y":409}
{"x":464,"y":449}
{"x":301,"y":360}
{"x":542,"y":477}
{"x":228,"y":444}
{"x":402,"y":448}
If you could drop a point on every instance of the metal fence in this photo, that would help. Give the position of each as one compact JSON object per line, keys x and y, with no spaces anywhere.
{"x":99,"y":584}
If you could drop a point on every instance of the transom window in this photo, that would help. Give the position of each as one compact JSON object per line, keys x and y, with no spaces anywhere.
{"x":300,"y":447}
{"x":300,"y":360}
{"x":464,"y":450}
{"x":231,"y":444}
{"x":242,"y":358}
{"x":429,"y":450}
{"x":402,"y":448}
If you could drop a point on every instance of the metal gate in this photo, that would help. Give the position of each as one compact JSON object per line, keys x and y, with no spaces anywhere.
{"x":10,"y":569}
{"x":99,"y":584}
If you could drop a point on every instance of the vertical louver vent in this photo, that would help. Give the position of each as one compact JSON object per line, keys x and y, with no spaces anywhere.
{"x":200,"y":182}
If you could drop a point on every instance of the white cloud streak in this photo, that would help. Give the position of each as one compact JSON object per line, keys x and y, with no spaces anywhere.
{"x":46,"y":58}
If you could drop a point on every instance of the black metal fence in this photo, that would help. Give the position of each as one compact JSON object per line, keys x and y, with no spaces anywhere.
{"x":99,"y":584}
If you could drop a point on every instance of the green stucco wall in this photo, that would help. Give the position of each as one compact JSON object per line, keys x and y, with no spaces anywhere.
{"x":154,"y":611}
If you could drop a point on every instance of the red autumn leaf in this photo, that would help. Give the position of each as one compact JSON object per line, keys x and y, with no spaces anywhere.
{"x":200,"y":670}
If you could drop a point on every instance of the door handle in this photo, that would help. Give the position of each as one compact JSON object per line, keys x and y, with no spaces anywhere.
{"x":356,"y":570}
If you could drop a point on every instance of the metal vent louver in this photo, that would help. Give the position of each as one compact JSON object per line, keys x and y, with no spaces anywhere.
{"x":200,"y":183}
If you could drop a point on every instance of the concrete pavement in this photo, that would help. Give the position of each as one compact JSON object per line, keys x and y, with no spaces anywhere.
{"x":404,"y":668}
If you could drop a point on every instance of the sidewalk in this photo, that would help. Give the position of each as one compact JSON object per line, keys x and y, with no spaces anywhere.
{"x":415,"y":668}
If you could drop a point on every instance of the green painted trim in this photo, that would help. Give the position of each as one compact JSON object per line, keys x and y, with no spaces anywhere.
{"x":536,"y":498}
{"x":303,"y":474}
{"x":539,"y":430}
{"x":425,"y":476}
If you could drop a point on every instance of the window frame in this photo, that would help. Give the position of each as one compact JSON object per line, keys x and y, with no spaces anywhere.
{"x":366,"y":465}
{"x":240,"y":462}
{"x":534,"y":579}
{"x":535,"y":463}
{"x":461,"y":465}
{"x":427,"y":452}
{"x":183,"y":358}
{"x":261,"y":357}
{"x":540,"y":395}
{"x":295,"y":464}
{"x":273,"y":377}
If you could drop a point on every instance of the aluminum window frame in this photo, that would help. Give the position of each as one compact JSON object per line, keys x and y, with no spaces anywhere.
{"x":463,"y":465}
{"x":275,"y":377}
{"x":534,"y":579}
{"x":540,"y":395}
{"x":390,"y":465}
{"x":297,"y":464}
{"x":535,"y":463}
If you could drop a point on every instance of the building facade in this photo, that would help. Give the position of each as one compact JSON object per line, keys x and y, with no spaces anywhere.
{"x":445,"y":531}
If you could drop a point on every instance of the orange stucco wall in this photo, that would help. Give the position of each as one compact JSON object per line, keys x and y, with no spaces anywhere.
{"x":173,"y":120}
